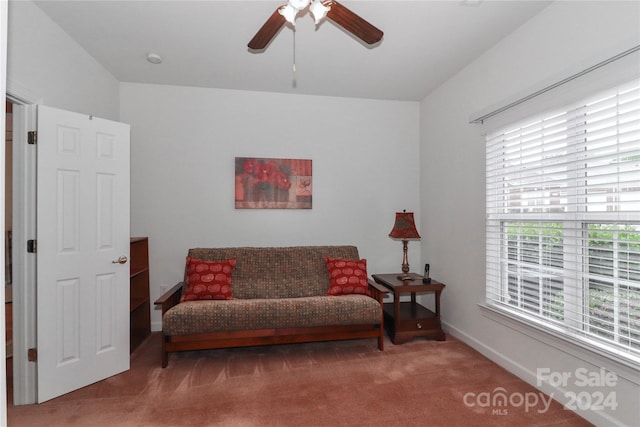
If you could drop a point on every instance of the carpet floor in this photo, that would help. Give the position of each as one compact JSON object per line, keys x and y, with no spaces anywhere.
{"x":343,"y":383}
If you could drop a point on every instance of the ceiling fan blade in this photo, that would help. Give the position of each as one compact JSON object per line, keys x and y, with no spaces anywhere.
{"x":267,"y":31}
{"x":354,"y":23}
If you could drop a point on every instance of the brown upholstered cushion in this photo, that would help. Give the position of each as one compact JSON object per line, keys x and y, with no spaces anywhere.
{"x":278,"y":272}
{"x":198,"y":317}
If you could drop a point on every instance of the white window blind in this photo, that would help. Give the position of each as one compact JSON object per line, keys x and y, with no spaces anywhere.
{"x":563,"y":220}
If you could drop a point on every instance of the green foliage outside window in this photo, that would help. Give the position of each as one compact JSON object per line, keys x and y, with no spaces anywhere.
{"x":612,"y":278}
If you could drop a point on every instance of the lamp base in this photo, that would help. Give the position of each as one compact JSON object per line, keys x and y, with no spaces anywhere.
{"x":406,"y":276}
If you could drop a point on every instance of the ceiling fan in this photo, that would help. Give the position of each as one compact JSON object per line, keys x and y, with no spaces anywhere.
{"x":333,"y":10}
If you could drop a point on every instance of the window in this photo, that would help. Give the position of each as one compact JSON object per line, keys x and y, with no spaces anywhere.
{"x":563,"y":221}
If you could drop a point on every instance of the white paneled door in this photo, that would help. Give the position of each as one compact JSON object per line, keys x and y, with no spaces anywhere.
{"x":82,"y":232}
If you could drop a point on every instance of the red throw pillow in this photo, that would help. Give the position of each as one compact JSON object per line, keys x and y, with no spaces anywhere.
{"x":347,"y":276}
{"x":208,"y":279}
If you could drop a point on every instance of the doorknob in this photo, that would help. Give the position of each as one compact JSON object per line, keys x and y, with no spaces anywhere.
{"x":121,"y":260}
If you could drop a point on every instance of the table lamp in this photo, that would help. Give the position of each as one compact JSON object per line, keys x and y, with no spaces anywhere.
{"x":405,"y":229}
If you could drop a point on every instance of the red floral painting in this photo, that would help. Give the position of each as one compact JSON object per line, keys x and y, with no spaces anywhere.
{"x":273,"y":183}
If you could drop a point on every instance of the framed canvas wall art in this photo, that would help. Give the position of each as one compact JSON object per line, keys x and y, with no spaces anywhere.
{"x":264,"y":183}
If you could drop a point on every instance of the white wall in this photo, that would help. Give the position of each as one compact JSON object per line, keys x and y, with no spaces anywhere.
{"x":452,"y":163}
{"x":46,"y":66}
{"x":183,"y":145}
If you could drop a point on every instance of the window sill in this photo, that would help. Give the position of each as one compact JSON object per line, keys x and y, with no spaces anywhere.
{"x":625,"y":368}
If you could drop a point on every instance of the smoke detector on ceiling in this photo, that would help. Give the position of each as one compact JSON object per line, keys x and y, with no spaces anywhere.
{"x":154,"y":58}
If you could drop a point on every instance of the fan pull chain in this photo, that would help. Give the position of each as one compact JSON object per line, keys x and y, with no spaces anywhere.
{"x":293,"y":68}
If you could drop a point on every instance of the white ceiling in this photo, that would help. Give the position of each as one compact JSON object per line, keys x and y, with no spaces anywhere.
{"x":204,"y":43}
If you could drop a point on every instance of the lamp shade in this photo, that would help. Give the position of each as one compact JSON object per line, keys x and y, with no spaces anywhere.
{"x":404,"y":227}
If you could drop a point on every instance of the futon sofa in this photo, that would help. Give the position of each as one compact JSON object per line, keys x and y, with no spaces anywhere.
{"x":270,"y":295}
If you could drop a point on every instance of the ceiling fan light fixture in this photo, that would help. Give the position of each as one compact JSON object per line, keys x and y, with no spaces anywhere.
{"x":319,"y":10}
{"x":299,"y":4}
{"x":293,"y":7}
{"x":336,"y":12}
{"x":289,"y":12}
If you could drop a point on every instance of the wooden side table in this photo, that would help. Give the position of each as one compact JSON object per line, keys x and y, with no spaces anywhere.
{"x":408,"y":319}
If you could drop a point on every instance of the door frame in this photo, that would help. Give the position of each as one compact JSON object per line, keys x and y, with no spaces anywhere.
{"x":3,"y":89}
{"x":24,"y":228}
